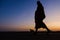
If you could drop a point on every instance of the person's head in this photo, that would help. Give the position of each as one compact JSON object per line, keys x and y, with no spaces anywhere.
{"x":38,"y":2}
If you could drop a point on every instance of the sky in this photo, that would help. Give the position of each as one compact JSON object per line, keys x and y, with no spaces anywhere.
{"x":18,"y":15}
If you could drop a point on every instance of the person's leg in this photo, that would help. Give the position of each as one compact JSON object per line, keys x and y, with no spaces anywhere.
{"x":36,"y":26}
{"x":36,"y":29}
{"x":45,"y":27}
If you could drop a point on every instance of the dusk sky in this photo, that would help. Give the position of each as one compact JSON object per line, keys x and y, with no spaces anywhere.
{"x":18,"y":15}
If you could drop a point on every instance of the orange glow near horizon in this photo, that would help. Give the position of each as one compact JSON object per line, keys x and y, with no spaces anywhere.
{"x":52,"y":28}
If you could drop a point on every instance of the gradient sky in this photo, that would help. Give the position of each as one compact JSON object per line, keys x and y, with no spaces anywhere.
{"x":18,"y":15}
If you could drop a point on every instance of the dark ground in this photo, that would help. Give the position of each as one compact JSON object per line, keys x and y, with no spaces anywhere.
{"x":30,"y":36}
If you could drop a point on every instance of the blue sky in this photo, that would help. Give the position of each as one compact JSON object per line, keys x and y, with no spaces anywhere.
{"x":20,"y":13}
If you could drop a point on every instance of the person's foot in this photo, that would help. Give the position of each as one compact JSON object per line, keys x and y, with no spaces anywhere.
{"x":48,"y":30}
{"x":31,"y":30}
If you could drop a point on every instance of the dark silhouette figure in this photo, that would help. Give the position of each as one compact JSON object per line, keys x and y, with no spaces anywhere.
{"x":39,"y":17}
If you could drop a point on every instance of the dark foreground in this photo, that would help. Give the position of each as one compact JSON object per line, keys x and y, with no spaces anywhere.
{"x":30,"y":36}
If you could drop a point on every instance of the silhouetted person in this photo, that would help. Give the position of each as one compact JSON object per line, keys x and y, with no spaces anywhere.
{"x":39,"y":17}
